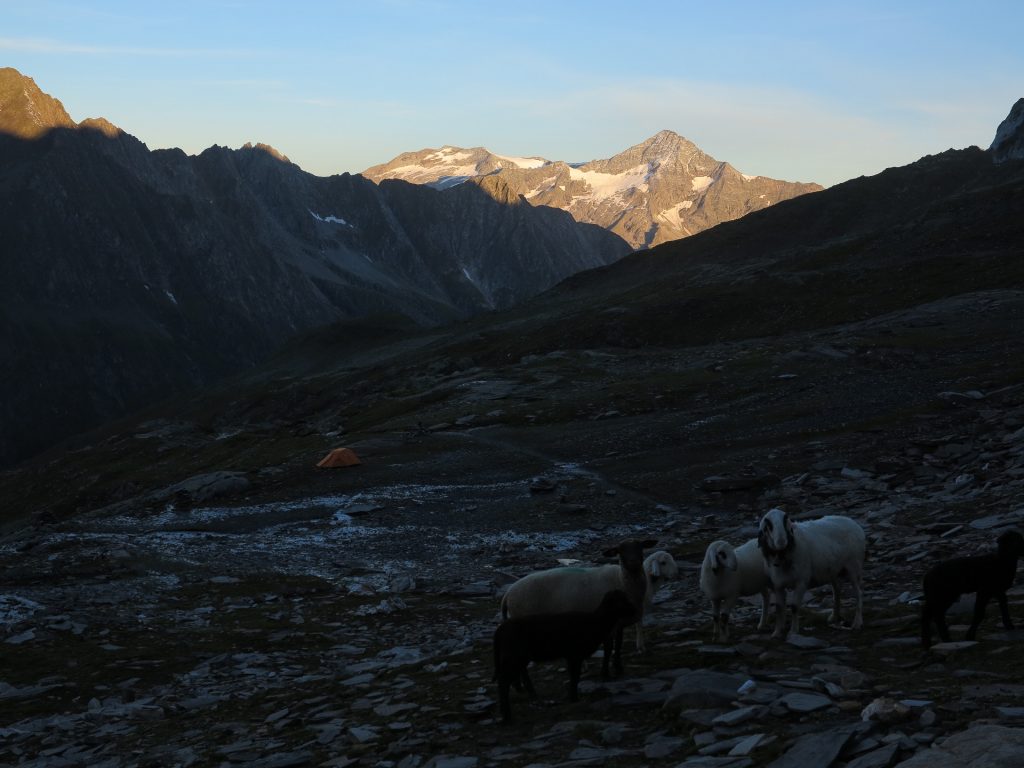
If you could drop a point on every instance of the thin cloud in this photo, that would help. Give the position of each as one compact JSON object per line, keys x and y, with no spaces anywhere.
{"x":47,"y":46}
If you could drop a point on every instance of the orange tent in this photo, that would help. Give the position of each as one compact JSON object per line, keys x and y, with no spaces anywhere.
{"x":339,"y":457}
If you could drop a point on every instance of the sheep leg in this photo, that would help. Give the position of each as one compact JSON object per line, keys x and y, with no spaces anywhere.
{"x":528,"y":683}
{"x":926,"y":625}
{"x":794,"y":609}
{"x":979,"y":613}
{"x":940,"y":621}
{"x":780,"y":614}
{"x":837,"y":614}
{"x":858,"y":592}
{"x":1004,"y":609}
{"x":641,"y":646}
{"x":728,"y":604}
{"x":504,"y":682}
{"x":606,"y":658}
{"x":574,"y":678}
{"x":618,"y":649}
{"x":716,"y":618}
{"x":763,"y":623}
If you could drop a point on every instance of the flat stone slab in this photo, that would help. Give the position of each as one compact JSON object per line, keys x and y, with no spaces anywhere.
{"x":804,"y":702}
{"x":805,"y":642}
{"x":741,"y":715}
{"x":948,"y":649}
{"x":701,"y":688}
{"x":816,"y":749}
{"x":879,"y":758}
{"x":981,"y":746}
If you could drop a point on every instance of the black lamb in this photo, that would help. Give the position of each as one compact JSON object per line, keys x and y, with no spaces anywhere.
{"x":988,"y":575}
{"x":573,"y":636}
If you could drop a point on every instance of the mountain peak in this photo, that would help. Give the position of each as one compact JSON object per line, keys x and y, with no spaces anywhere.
{"x":660,"y":189}
{"x":25,"y":111}
{"x":668,"y":142}
{"x":272,"y":151}
{"x":1009,"y":141}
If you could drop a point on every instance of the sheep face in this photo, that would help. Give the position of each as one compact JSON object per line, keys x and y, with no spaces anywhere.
{"x":720,"y":556}
{"x":775,"y":537}
{"x":661,"y":565}
{"x":1011,"y":544}
{"x":631,"y":554}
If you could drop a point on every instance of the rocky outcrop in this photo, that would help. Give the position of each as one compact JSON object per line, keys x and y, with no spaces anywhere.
{"x":1009,"y":141}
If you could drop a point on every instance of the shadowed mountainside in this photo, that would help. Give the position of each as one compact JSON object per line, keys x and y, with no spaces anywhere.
{"x":127,"y":275}
{"x":946,"y":226}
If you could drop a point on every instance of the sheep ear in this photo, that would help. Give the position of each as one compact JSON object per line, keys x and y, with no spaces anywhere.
{"x":655,"y":570}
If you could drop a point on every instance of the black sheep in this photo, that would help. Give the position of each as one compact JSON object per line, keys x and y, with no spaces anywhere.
{"x":988,"y":575}
{"x":573,"y":636}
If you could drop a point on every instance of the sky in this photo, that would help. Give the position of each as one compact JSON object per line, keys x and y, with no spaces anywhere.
{"x":802,"y":91}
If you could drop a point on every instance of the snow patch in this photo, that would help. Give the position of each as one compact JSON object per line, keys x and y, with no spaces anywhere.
{"x":525,"y":162}
{"x":450,"y":181}
{"x":700,"y":183}
{"x":545,"y":186}
{"x":748,"y":177}
{"x":447,"y":153}
{"x":607,"y":185}
{"x":330,"y":219}
{"x":170,"y":296}
{"x":672,"y":215}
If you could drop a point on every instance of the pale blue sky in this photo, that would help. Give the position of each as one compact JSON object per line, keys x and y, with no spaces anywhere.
{"x":804,"y":91}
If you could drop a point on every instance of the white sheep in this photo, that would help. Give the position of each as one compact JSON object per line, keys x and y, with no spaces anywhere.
{"x":728,"y":574}
{"x":799,"y":556}
{"x":559,"y":590}
{"x":659,"y":567}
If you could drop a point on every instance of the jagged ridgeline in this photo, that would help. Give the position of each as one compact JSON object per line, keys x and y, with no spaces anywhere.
{"x":663,"y":189}
{"x":128,"y":274}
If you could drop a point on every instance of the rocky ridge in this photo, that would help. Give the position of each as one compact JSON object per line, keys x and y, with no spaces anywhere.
{"x":664,"y":188}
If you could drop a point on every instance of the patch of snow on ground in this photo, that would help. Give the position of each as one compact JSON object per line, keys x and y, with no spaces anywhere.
{"x":606,"y":185}
{"x":525,"y":162}
{"x":448,"y":154}
{"x":545,"y":186}
{"x":446,"y":182}
{"x":671,"y":215}
{"x":468,"y":276}
{"x":748,"y":177}
{"x":409,"y":172}
{"x":700,"y":183}
{"x":329,"y":219}
{"x":170,"y":296}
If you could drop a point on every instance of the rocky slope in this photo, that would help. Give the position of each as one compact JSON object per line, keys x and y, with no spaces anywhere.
{"x":190,"y":589}
{"x":136,"y":274}
{"x":663,"y":189}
